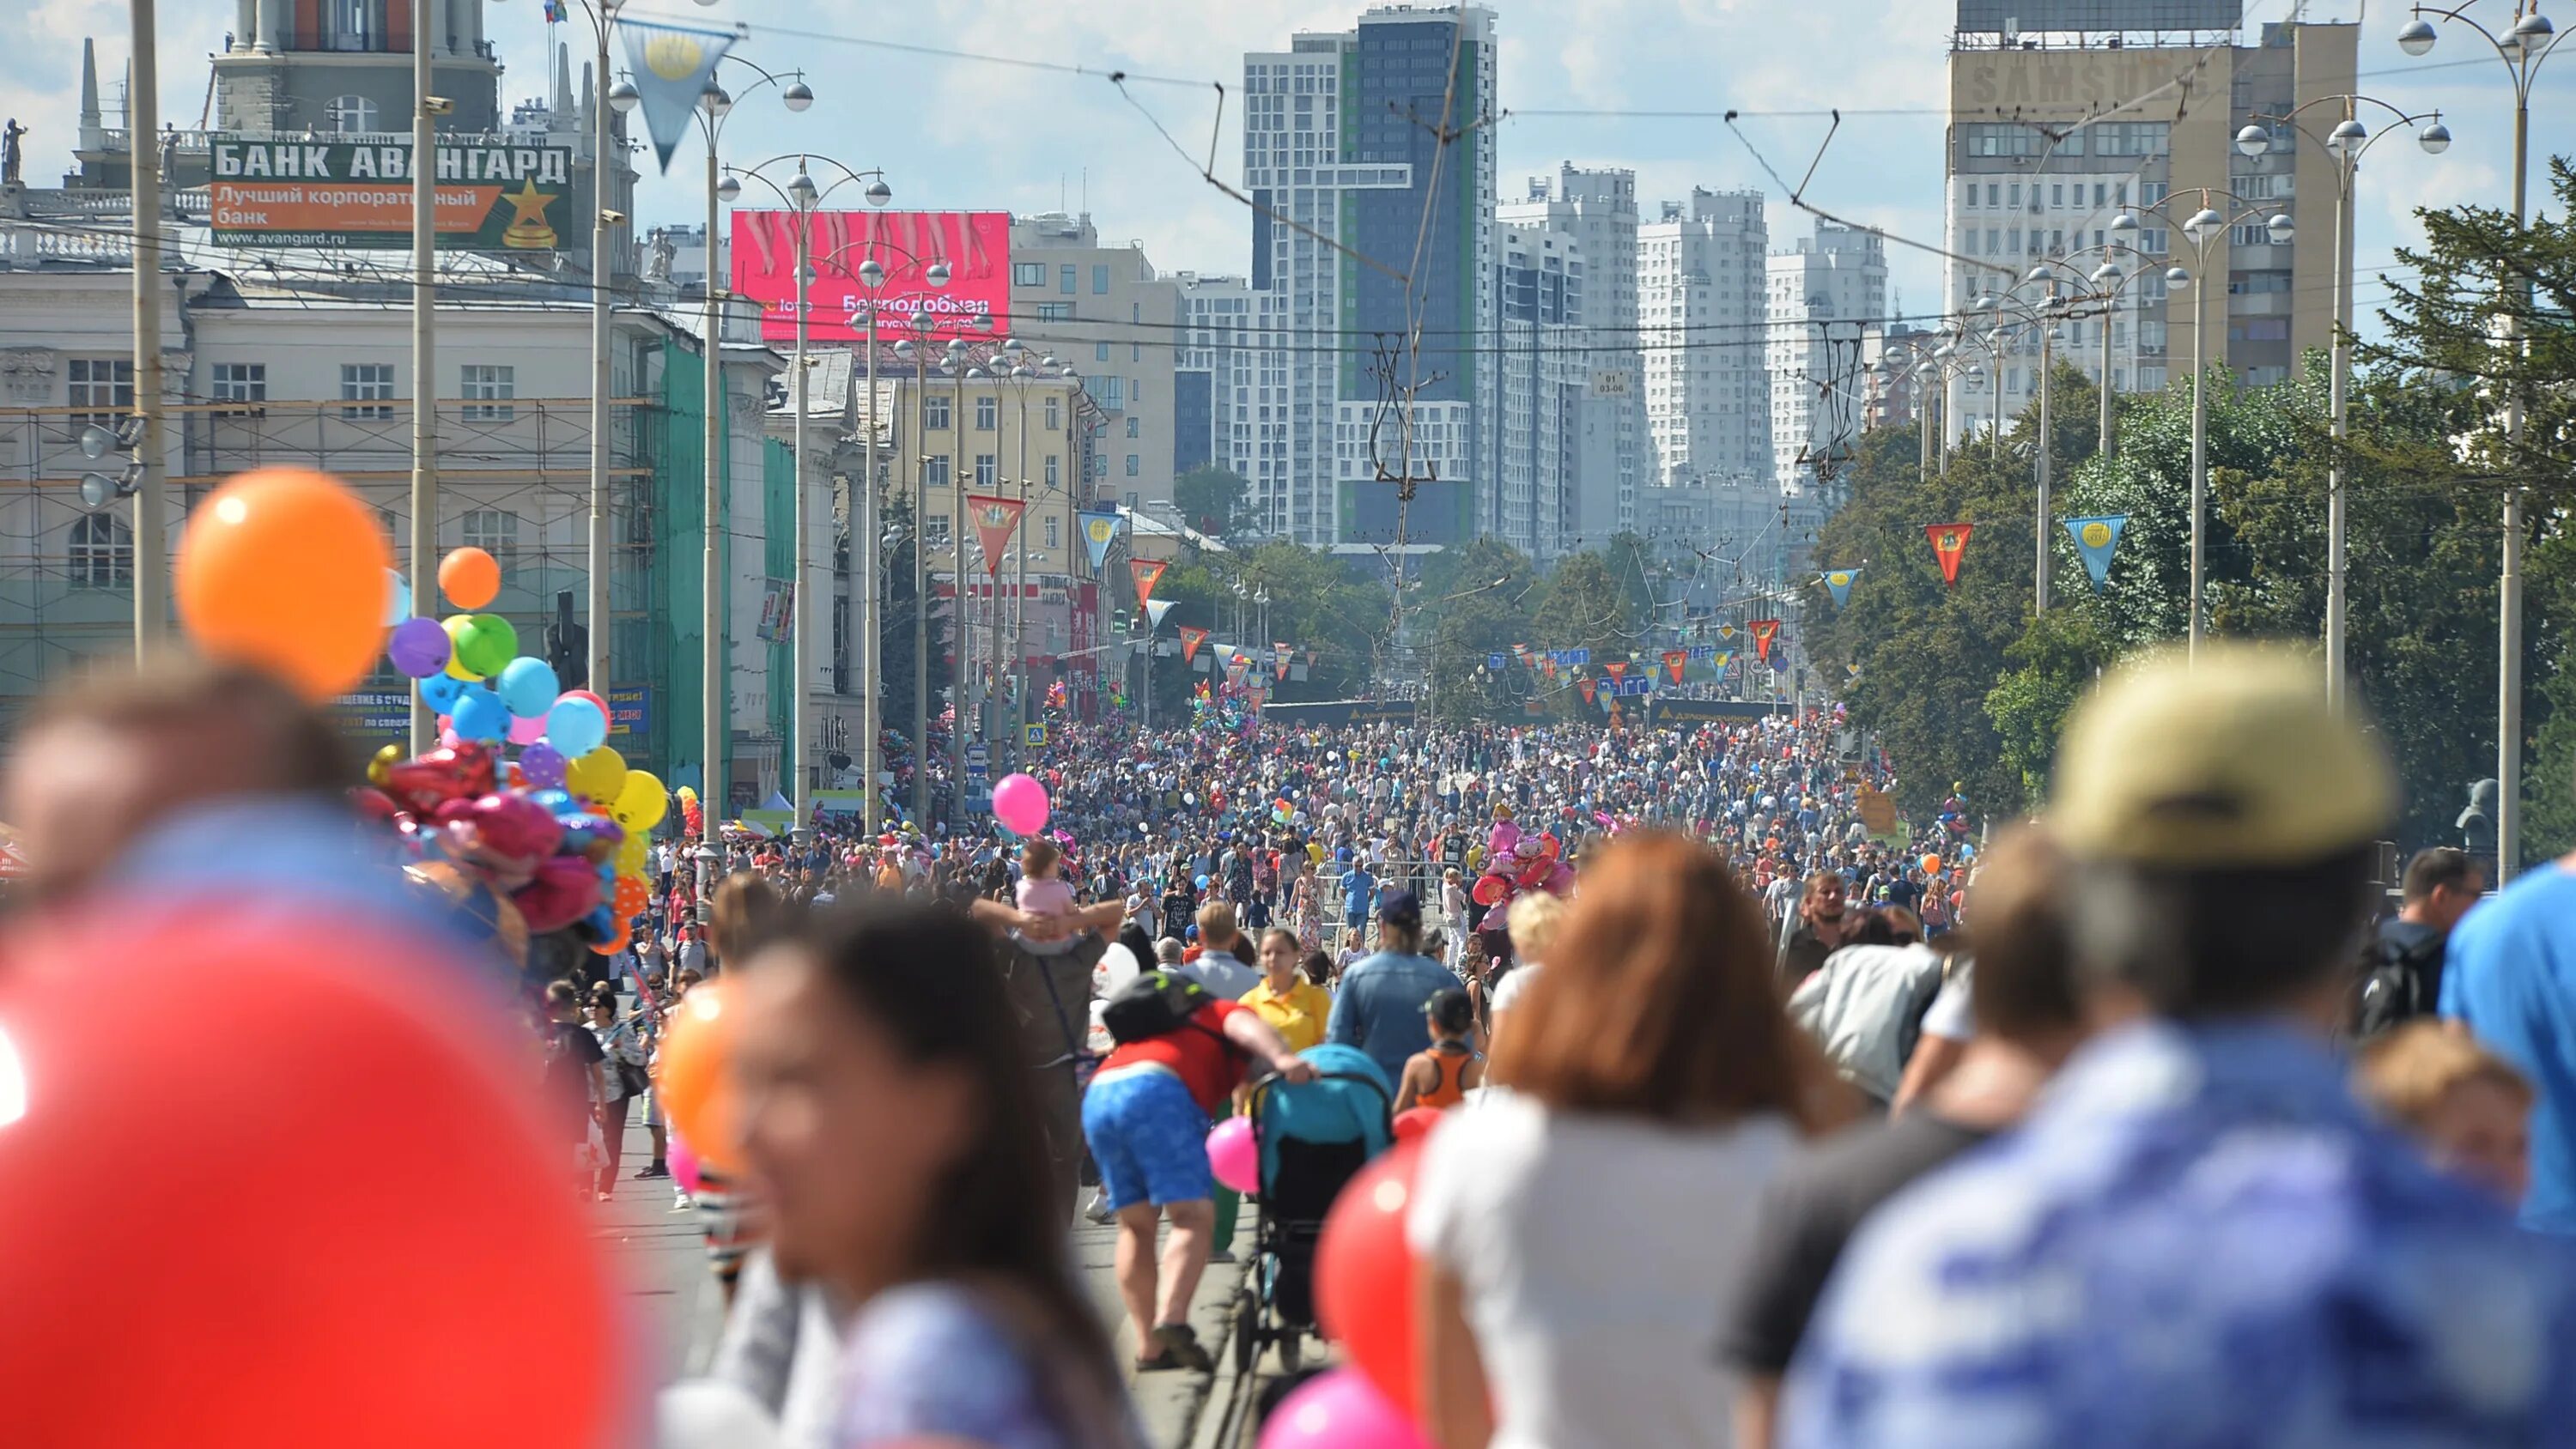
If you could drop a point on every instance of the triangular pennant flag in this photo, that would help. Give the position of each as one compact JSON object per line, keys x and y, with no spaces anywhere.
{"x":1146,"y":572}
{"x":671,"y":66}
{"x":1099,"y":530}
{"x":1588,"y":687}
{"x":2094,"y":539}
{"x":1547,"y":666}
{"x":1236,"y":666}
{"x":1618,"y":668}
{"x":1280,"y":654}
{"x":1674,"y":662}
{"x":1838,"y":583}
{"x":1312,"y":655}
{"x":1155,"y":609}
{"x":1522,"y":651}
{"x":1764,"y":631}
{"x":994,"y":520}
{"x":1191,"y":638}
{"x":1722,"y":659}
{"x":1949,"y":540}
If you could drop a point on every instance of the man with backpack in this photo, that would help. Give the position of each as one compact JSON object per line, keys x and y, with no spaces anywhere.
{"x":1180,"y":1053}
{"x":2401,"y":968}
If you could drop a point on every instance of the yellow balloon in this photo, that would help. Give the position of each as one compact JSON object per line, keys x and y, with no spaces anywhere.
{"x":455,"y":625}
{"x":597,"y":777}
{"x":633,"y":854}
{"x":641,"y":804}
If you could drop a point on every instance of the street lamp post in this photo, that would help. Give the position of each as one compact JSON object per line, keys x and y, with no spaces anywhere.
{"x":715,"y":719}
{"x":2042,"y":318}
{"x":2344,"y":145}
{"x":803,"y":195}
{"x":2205,"y":229}
{"x":2524,"y":45}
{"x":917,"y":349}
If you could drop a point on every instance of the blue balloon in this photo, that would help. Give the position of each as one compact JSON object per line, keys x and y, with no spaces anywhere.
{"x":441,"y":691}
{"x":527,"y":685}
{"x":480,"y":715}
{"x":1202,"y":882}
{"x":398,"y":608}
{"x":553,"y":802}
{"x":576,"y":727}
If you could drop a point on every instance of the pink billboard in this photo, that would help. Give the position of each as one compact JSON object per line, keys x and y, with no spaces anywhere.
{"x":976,"y":245}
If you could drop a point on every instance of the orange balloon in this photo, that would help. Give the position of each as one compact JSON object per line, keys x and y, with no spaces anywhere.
{"x":469,"y":577}
{"x":618,"y":942}
{"x":632,"y":896}
{"x":286,"y":570}
{"x":689,"y":1077}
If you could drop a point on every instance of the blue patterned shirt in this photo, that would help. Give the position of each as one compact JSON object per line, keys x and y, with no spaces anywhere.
{"x":2196,"y":1239}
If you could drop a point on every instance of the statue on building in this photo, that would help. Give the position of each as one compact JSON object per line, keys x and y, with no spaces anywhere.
{"x":666,"y":250}
{"x":13,"y":154}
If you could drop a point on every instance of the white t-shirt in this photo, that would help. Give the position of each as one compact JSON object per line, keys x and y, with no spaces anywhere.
{"x":1949,"y":1015}
{"x":1597,"y":1254}
{"x":1507,"y":992}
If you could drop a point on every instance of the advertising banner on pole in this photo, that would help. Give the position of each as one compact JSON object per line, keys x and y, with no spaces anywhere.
{"x":975,"y":245}
{"x":490,"y":196}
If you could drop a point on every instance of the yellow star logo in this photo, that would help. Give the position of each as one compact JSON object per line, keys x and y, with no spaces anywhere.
{"x":528,"y":204}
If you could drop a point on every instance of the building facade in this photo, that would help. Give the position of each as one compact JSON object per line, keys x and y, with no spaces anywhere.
{"x":1701,"y":319}
{"x":1596,"y":211}
{"x":1372,"y":239}
{"x":1828,"y":293}
{"x":1212,"y":384}
{"x":1102,"y":310}
{"x":2030,"y":188}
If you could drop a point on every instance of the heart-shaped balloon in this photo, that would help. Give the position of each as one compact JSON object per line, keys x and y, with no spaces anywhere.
{"x":561,"y":891}
{"x":504,"y":834}
{"x":424,"y":783}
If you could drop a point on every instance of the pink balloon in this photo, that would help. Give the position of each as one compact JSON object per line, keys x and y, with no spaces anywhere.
{"x":1340,"y":1410}
{"x":1020,"y":803}
{"x":447,"y":739}
{"x":527,"y":731}
{"x":1234,"y":1156}
{"x":683,"y":1162}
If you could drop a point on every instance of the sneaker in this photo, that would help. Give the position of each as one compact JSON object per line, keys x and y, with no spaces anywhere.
{"x":1098,"y":1209}
{"x":681,"y":1202}
{"x":599,"y":1197}
{"x":1180,"y":1344}
{"x":657,"y":1169}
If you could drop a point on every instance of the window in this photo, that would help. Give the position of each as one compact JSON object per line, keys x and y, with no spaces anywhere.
{"x":2016,"y":195}
{"x":1100,"y":352}
{"x":1132,"y":425}
{"x":483,"y":385}
{"x":244,"y":382}
{"x":934,"y":414}
{"x":1064,"y":279}
{"x":1055,"y":311}
{"x":1054,"y":413}
{"x":1028,"y":274}
{"x":984,"y":470}
{"x":1135,"y":352}
{"x":1131,"y":465}
{"x":1052,"y":473}
{"x":1054,"y":531}
{"x":1113,"y":394}
{"x":934,"y":471}
{"x":493,"y":530}
{"x":1099,"y":278}
{"x":348,"y":114}
{"x":987,"y":413}
{"x":2057,"y":194}
{"x":102,"y":552}
{"x":367,"y":383}
{"x":935,"y":528}
{"x":2249,"y":234}
{"x":105,"y":383}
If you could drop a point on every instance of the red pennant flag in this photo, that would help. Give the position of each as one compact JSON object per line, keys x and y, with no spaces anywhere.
{"x":994,"y":520}
{"x":1548,"y":666}
{"x":1949,"y":540}
{"x":1618,"y":668}
{"x":1281,"y":654}
{"x":1147,"y":572}
{"x":1191,"y":639}
{"x":1764,"y":631}
{"x":1588,"y":688}
{"x":1674,"y":659}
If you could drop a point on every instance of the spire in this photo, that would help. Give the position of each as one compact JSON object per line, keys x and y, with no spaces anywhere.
{"x":562,"y":104}
{"x":89,"y":117}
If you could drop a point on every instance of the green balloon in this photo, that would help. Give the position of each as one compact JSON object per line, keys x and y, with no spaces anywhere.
{"x":486,"y":644}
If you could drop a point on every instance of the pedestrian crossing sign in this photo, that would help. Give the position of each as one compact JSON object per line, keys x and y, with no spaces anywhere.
{"x":1034,"y":735}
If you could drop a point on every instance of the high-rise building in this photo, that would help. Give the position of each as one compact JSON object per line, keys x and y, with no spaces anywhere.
{"x":1700,"y":276}
{"x":1372,"y":243}
{"x":1596,"y":209}
{"x":291,"y":66}
{"x":1827,"y":293}
{"x":1212,"y":384}
{"x":1541,"y":445}
{"x":2161,"y":88}
{"x":1103,"y":311}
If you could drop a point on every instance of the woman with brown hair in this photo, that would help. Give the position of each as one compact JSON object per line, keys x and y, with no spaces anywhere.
{"x":1576,"y":1232}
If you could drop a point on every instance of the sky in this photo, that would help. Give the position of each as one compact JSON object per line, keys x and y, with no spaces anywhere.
{"x":976,"y":131}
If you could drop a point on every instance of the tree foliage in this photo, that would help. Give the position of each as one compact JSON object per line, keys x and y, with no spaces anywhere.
{"x":1210,"y":499}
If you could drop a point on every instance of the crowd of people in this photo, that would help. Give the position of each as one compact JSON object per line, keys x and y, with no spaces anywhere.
{"x":2131,"y":1125}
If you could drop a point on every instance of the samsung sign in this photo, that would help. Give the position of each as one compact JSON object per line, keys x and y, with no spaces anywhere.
{"x":2033,"y":17}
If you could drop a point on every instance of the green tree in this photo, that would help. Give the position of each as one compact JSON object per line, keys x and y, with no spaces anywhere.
{"x":1210,"y":499}
{"x":897,"y":620}
{"x":1470,"y":603}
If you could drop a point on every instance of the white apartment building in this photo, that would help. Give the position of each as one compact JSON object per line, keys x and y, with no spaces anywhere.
{"x":1827,"y":294}
{"x":1701,"y":315}
{"x":1596,"y":210}
{"x":1212,"y":384}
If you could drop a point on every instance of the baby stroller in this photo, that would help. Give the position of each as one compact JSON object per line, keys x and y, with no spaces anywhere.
{"x":1314,"y":1138}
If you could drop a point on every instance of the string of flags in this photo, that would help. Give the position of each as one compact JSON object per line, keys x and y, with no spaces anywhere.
{"x":2096,"y":537}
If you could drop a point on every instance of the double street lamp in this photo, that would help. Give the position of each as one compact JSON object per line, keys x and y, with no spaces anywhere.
{"x":2525,"y":43}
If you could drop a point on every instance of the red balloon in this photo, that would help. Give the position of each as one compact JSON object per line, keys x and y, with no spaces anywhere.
{"x":1364,"y":1276}
{"x":214,"y":1250}
{"x":1415,"y":1122}
{"x":1491,"y":890}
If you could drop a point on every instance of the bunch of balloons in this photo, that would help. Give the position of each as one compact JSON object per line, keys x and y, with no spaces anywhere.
{"x":564,"y":834}
{"x":1517,"y":862}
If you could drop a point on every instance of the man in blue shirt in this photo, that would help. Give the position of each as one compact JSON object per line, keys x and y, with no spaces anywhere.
{"x":1359,"y":892}
{"x":1379,"y":1008}
{"x":2510,"y":973}
{"x":2197,"y":1237}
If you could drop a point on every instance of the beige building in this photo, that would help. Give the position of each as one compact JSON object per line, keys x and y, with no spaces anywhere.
{"x":2029,"y":187}
{"x":1101,"y":309}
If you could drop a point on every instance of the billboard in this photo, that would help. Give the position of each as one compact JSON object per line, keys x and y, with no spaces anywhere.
{"x":976,"y":245}
{"x":2035,"y":17}
{"x":489,"y":197}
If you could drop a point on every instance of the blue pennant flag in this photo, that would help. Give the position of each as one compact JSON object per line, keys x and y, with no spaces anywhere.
{"x":1099,"y":530}
{"x":671,"y":66}
{"x":2094,"y":539}
{"x":1838,"y":583}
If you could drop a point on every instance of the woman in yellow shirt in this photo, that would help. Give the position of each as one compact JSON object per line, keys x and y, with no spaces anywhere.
{"x":1295,"y":1007}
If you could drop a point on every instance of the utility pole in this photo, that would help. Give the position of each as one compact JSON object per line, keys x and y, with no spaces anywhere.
{"x":151,"y":545}
{"x":424,"y":348}
{"x":601,"y":230}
